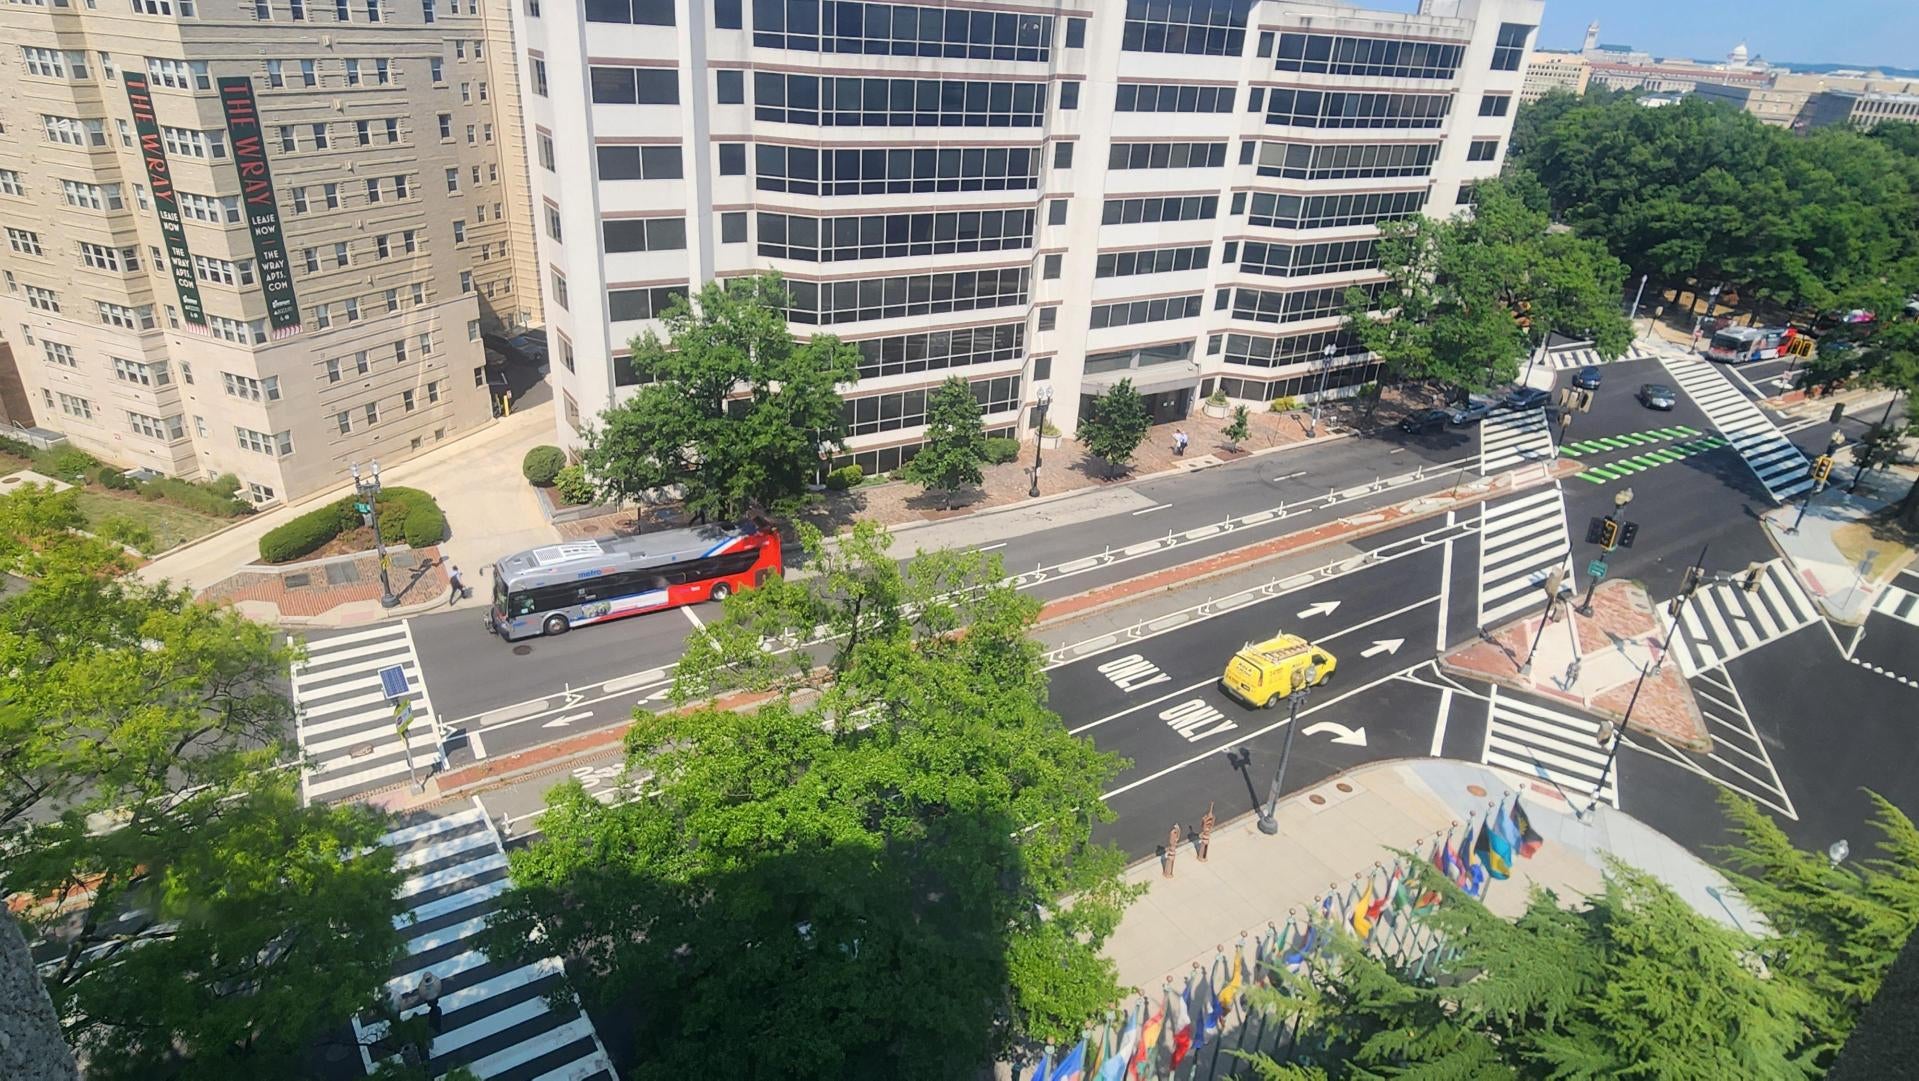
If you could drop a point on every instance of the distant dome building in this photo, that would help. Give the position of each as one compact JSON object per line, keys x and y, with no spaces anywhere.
{"x":1737,"y":58}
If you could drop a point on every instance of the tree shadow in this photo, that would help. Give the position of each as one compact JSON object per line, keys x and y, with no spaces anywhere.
{"x":941,"y":501}
{"x":1088,"y":465}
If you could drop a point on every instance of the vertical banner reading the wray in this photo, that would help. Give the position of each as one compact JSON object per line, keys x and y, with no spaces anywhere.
{"x":263,"y":210}
{"x":166,"y":203}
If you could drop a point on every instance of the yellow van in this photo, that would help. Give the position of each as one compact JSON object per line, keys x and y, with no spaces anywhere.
{"x":1265,"y":672}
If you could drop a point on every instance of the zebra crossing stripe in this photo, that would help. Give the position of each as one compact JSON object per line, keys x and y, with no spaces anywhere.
{"x":1591,"y":476}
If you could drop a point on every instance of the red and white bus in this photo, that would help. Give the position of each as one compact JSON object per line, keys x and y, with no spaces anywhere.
{"x":1736,"y":345}
{"x":553,"y":589}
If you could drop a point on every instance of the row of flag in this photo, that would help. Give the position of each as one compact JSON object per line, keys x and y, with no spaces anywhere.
{"x":1159,"y":1039}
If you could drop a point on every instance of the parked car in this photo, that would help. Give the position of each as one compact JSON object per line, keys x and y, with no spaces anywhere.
{"x":1426,"y":420}
{"x":1587,"y":378}
{"x":530,"y":344}
{"x":1472,"y":410}
{"x":1527,"y":398}
{"x":1657,"y":396}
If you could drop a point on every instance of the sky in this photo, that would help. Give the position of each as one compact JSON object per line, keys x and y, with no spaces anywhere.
{"x":1859,"y":33}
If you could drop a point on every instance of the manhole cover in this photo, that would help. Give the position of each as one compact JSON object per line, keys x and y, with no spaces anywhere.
{"x":1343,"y":787}
{"x":361,"y":751}
{"x":1475,"y":790}
{"x":521,"y":651}
{"x":339,"y":574}
{"x":1317,"y":799}
{"x":297,"y":581}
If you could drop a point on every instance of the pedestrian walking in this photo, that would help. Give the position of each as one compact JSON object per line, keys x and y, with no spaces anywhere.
{"x":1179,"y":442}
{"x":453,"y":579}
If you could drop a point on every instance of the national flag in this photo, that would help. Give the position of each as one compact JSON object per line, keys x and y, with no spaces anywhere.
{"x":1182,"y":1028}
{"x":1041,"y":1069}
{"x":1529,"y":839}
{"x":1506,"y":827}
{"x":1362,"y":912}
{"x":1231,"y":987}
{"x":1378,"y":907}
{"x":1115,"y":1065}
{"x":1463,"y":859}
{"x":1476,"y":882}
{"x":1073,"y":1066}
{"x":1148,"y":1038}
{"x":1202,"y":992}
{"x":1499,"y":855}
{"x":1211,"y":1015}
{"x":1300,"y":948}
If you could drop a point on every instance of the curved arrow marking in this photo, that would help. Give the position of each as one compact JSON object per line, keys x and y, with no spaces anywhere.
{"x":1355,"y":737}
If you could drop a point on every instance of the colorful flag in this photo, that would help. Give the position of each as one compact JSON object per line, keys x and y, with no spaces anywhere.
{"x":1231,"y":987}
{"x":1202,"y":992}
{"x":1073,"y":1066}
{"x":1463,"y":859}
{"x":1476,"y":882}
{"x":1362,"y":912}
{"x":1529,"y":839}
{"x":1402,"y":901}
{"x":1041,"y":1069}
{"x":1148,"y":1038}
{"x":1182,"y":1027}
{"x":1114,"y":1067}
{"x":1211,"y":1015}
{"x":1499,"y":854}
{"x":1506,"y":827}
{"x":1378,"y":907}
{"x":1300,"y":948}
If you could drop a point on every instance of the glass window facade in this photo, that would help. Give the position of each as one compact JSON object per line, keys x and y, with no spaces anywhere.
{"x":938,"y":350}
{"x":856,"y":102}
{"x":1298,"y":260}
{"x":1380,"y":57}
{"x":639,"y":162}
{"x":1355,"y":109}
{"x":850,"y":26}
{"x":893,"y":236}
{"x":1166,"y":156}
{"x":1157,"y":310}
{"x":1346,"y":161}
{"x":623,"y":305}
{"x":1328,"y":211}
{"x":827,"y":303}
{"x":1171,"y":98}
{"x":1159,"y":208}
{"x":1198,"y":27}
{"x":907,"y":409}
{"x":806,"y":170}
{"x":1121,"y":264}
{"x":1292,"y":307}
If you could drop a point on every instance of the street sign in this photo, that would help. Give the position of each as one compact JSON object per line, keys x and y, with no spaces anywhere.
{"x":402,"y":716}
{"x":393,"y":681}
{"x":362,"y":508}
{"x":1596,"y":569}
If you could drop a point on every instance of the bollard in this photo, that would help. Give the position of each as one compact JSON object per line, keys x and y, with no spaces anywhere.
{"x":1172,"y":850}
{"x":1205,"y":833}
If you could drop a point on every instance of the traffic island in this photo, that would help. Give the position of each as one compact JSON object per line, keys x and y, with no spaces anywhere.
{"x":1594,"y":663}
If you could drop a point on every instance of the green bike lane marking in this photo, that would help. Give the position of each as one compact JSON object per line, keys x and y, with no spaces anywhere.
{"x":1627,"y":439}
{"x":1639,"y":463}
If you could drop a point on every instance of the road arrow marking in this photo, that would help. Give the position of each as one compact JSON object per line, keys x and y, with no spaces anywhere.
{"x":1320,"y":608}
{"x":1355,"y":737}
{"x":562,"y":722}
{"x":572,"y":697}
{"x":1384,"y":645}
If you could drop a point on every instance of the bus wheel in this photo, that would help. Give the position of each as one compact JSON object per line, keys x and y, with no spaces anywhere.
{"x":721,"y":591}
{"x":556,"y":625}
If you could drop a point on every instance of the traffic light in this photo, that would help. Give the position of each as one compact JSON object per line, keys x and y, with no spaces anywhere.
{"x":1751,"y":584}
{"x":1609,"y":534}
{"x":1594,"y":529}
{"x":1628,"y":532}
{"x":1691,"y":583}
{"x":1821,"y":469}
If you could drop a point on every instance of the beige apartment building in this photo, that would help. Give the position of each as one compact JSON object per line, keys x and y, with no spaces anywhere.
{"x":1547,"y":72}
{"x":260,"y":237}
{"x":1793,"y":99}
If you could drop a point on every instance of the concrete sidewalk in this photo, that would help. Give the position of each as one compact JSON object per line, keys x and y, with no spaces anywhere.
{"x":1333,"y":833}
{"x":1836,"y":553}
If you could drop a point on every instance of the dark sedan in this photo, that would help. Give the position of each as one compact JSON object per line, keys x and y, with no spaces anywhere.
{"x":1657,"y":396}
{"x":1426,"y":420}
{"x":1587,"y":378}
{"x":1527,"y":398}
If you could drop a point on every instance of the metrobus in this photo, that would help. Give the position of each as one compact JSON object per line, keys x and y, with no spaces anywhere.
{"x":1737,"y":345}
{"x":553,"y":589}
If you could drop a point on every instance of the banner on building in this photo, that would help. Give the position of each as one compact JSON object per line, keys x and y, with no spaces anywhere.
{"x":166,"y":202}
{"x":262,"y":208}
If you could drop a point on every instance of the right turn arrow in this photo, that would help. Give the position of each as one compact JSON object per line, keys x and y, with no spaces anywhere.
{"x":1320,"y":608}
{"x":1384,"y":645}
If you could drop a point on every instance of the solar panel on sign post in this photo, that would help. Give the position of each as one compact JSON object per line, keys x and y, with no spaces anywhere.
{"x":393,"y":681}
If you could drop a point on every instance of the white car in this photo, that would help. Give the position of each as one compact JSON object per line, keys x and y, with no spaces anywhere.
{"x":1472,"y":411}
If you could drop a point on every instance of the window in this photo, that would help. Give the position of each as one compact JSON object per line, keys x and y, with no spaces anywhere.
{"x":10,"y":183}
{"x":884,"y":29}
{"x":892,"y":236}
{"x":641,"y":12}
{"x":466,"y":93}
{"x":732,"y":159}
{"x":1344,"y":161}
{"x":92,"y":196}
{"x":436,"y":67}
{"x":446,"y":126}
{"x":553,"y":222}
{"x":1495,"y":104}
{"x":253,"y":390}
{"x":453,"y":179}
{"x":733,"y":227}
{"x":320,"y":141}
{"x":382,"y":246}
{"x":156,"y":7}
{"x":1159,"y":208}
{"x":330,"y":195}
{"x":432,"y":391}
{"x":1056,"y":212}
{"x":907,"y":409}
{"x":1076,"y":33}
{"x":73,"y":132}
{"x":828,"y":303}
{"x":59,"y":64}
{"x":1157,"y":310}
{"x":1121,"y":264}
{"x":642,"y":234}
{"x":466,"y":281}
{"x":1329,"y":211}
{"x":486,"y":133}
{"x":1271,"y":307}
{"x":399,"y":352}
{"x":1166,"y":155}
{"x":1062,"y":155}
{"x":76,"y":407}
{"x":862,"y":102}
{"x":300,"y":200}
{"x":1197,"y":27}
{"x":630,"y":86}
{"x":40,"y":299}
{"x":854,"y":171}
{"x":353,"y":73}
{"x":344,"y":420}
{"x":459,"y":231}
{"x":1295,"y":260}
{"x":1069,"y":95}
{"x":1510,"y":46}
{"x":58,"y":353}
{"x":406,"y":400}
{"x":333,"y":370}
{"x":129,"y":318}
{"x":419,"y":294}
{"x":311,"y":258}
{"x":340,"y":11}
{"x":279,"y":444}
{"x":309,"y":74}
{"x":360,"y":365}
{"x":187,"y":143}
{"x":1355,"y":109}
{"x":322,"y":316}
{"x":299,"y":10}
{"x":1168,"y":98}
{"x":352,"y":305}
{"x":731,"y":87}
{"x":473,"y":331}
{"x":288,"y":144}
{"x":373,"y":412}
{"x":628,"y":304}
{"x":559,"y":289}
{"x":426,"y":347}
{"x":27,"y":242}
{"x":482,"y":89}
{"x":223,"y":272}
{"x":1393,"y":58}
{"x":1052,"y":266}
{"x":409,"y":241}
{"x":1482,"y":150}
{"x":400,"y":191}
{"x":544,"y":143}
{"x":253,"y":332}
{"x":145,"y":375}
{"x":178,"y":74}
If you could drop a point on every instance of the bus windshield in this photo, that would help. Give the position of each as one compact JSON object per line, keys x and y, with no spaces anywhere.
{"x":553,"y":589}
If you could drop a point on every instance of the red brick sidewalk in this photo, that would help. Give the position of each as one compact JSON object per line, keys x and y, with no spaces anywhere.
{"x":313,"y":588}
{"x":1614,"y":642}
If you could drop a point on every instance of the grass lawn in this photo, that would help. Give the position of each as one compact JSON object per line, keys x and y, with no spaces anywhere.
{"x":169,"y":524}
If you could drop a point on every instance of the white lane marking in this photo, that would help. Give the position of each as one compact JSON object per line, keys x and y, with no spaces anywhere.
{"x":473,"y":742}
{"x":1290,"y":476}
{"x":1142,"y":705}
{"x":1375,"y":619}
{"x":1151,"y":509}
{"x":693,"y":617}
{"x":1439,"y":726}
{"x":1445,"y":584}
{"x":991,"y":547}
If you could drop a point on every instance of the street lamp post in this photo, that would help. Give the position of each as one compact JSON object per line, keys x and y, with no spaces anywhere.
{"x":368,"y":489}
{"x":1044,"y":399}
{"x":1619,"y":503}
{"x":1268,"y":822}
{"x":1832,"y":444}
{"x":1554,"y":584}
{"x":1636,"y":297}
{"x":1865,"y":451}
{"x":1325,"y":369}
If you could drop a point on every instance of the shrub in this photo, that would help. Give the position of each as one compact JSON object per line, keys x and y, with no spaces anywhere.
{"x":542,"y":464}
{"x":1217,"y":397}
{"x":1284,"y":405}
{"x":111,"y":477}
{"x":13,"y":448}
{"x":846,"y":476}
{"x":1049,"y":430}
{"x":573,"y":485}
{"x":307,"y":533}
{"x":1001,"y":451}
{"x":125,"y":531}
{"x":214,"y":497}
{"x":398,"y":508}
{"x":70,"y":462}
{"x":425,"y":526}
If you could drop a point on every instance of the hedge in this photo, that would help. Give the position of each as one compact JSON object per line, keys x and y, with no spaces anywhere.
{"x":846,"y":476}
{"x":1000,"y":451}
{"x":542,"y":464}
{"x":407,"y":515}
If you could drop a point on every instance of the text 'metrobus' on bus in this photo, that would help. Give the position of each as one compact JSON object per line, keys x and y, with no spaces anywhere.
{"x":552,"y":589}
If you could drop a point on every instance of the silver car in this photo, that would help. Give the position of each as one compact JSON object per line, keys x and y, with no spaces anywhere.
{"x":1472,"y":411}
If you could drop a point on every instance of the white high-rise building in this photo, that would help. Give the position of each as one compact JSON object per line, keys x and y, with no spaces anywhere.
{"x":1031,"y":193}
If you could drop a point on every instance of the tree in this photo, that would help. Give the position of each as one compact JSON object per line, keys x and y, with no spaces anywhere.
{"x":209,"y":925}
{"x":955,"y":443}
{"x":1632,"y":983}
{"x":1116,"y":426}
{"x":1240,"y":427}
{"x":889,"y":860}
{"x":737,"y":411}
{"x":1888,"y":358}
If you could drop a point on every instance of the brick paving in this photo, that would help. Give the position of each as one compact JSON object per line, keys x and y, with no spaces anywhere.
{"x":305,"y":590}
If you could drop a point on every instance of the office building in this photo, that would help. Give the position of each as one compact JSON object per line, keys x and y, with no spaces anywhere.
{"x":260,"y":237}
{"x":1800,"y":100}
{"x":1547,"y":72}
{"x":1028,"y":194}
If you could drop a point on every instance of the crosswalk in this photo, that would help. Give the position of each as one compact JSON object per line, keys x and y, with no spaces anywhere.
{"x":1559,"y":748}
{"x":1560,"y":360}
{"x":345,"y":721}
{"x":1513,"y":437}
{"x":1723,"y":621}
{"x":1607,"y":472}
{"x":1520,"y":541}
{"x":1773,"y":458}
{"x":1900,"y":604}
{"x":1738,"y":759}
{"x":495,"y":1018}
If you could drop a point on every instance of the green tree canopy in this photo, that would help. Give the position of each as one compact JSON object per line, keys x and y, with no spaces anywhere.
{"x":737,"y":410}
{"x":885,"y":874}
{"x":1116,"y":427}
{"x":955,"y":443}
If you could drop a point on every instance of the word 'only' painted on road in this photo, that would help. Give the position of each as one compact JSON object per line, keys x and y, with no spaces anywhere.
{"x":1131,"y":672}
{"x":1194,"y":720}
